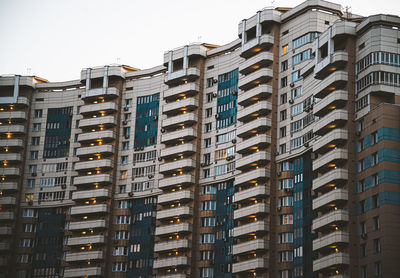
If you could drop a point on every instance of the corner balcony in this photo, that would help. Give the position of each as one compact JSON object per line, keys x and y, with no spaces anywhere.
{"x":251,"y":211}
{"x":334,"y":137}
{"x":178,"y":106}
{"x":180,"y":120}
{"x":174,"y":228}
{"x":12,"y":143}
{"x":264,"y":42}
{"x":331,"y":239}
{"x":106,"y":121}
{"x":332,"y":157}
{"x":107,"y":135}
{"x":251,"y":80}
{"x":256,"y":126}
{"x":330,"y":218}
{"x":179,"y":150}
{"x":332,"y":177}
{"x":174,"y":137}
{"x":110,"y":92}
{"x":87,"y":194}
{"x":83,"y":240}
{"x":263,"y":59}
{"x":9,"y":186}
{"x":337,"y":59}
{"x":98,"y":164}
{"x":172,"y":212}
{"x":330,"y":121}
{"x":248,"y":113}
{"x":187,"y":90}
{"x":91,"y":224}
{"x":333,"y":99}
{"x":261,"y":92}
{"x":97,"y":107}
{"x":176,"y":181}
{"x":260,"y":190}
{"x":189,"y":74}
{"x":334,"y":81}
{"x":250,"y":265}
{"x":89,"y":209}
{"x":172,"y":245}
{"x":103,"y":179}
{"x":253,"y":227}
{"x":84,"y":256}
{"x":10,"y":172}
{"x":8,"y":201}
{"x":259,"y":158}
{"x":89,"y":151}
{"x":15,"y":129}
{"x":11,"y":157}
{"x":7,"y":215}
{"x":253,"y":143}
{"x":183,"y":195}
{"x":331,"y":261}
{"x":6,"y":231}
{"x":171,"y":261}
{"x":13,"y":115}
{"x":256,"y":175}
{"x":178,"y":165}
{"x":83,"y":272}
{"x":250,"y":246}
{"x":333,"y":196}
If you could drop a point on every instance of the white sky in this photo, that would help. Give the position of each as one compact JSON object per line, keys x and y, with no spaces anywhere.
{"x":56,"y":39}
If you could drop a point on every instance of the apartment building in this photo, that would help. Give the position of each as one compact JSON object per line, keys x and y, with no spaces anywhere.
{"x":276,"y":155}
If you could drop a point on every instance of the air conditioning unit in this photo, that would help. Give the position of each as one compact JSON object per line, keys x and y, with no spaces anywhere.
{"x":215,"y":80}
{"x":30,"y":203}
{"x":63,"y":186}
{"x":292,"y":85}
{"x":124,"y":122}
{"x":162,"y":130}
{"x":155,"y":118}
{"x":126,"y":108}
{"x":278,"y":208}
{"x":126,"y":136}
{"x":159,"y":159}
{"x":33,"y":174}
{"x":202,"y":164}
{"x":115,"y":241}
{"x":291,"y":101}
{"x":235,"y":205}
{"x":234,"y":141}
{"x":214,"y":94}
{"x":278,"y":174}
{"x":364,"y":236}
{"x":217,"y":116}
{"x":306,"y":144}
{"x":150,"y":176}
{"x":133,"y":178}
{"x":234,"y":93}
{"x":358,"y":133}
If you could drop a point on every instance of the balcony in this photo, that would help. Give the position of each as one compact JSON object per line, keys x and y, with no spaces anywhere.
{"x":333,"y":82}
{"x":15,"y":129}
{"x":5,"y":246}
{"x":331,"y":261}
{"x":171,"y":262}
{"x":259,"y":125}
{"x":6,"y":231}
{"x":259,"y":158}
{"x":7,"y":215}
{"x":12,"y":143}
{"x":88,"y":209}
{"x":184,"y":195}
{"x":179,"y":76}
{"x":251,"y":80}
{"x":264,"y":42}
{"x":103,"y":179}
{"x":248,"y":113}
{"x":89,"y":151}
{"x":172,"y":212}
{"x":330,"y":121}
{"x":331,"y":239}
{"x":9,"y":171}
{"x":174,"y":228}
{"x":106,"y":121}
{"x":13,"y":115}
{"x":256,"y":142}
{"x":98,"y":239}
{"x":87,"y":194}
{"x":106,"y":92}
{"x":180,"y":120}
{"x":335,"y":137}
{"x":174,"y":137}
{"x":334,"y":99}
{"x":261,"y":92}
{"x":83,"y":272}
{"x":84,"y":256}
{"x":107,"y":135}
{"x":188,"y":104}
{"x":330,"y":218}
{"x":187,"y":90}
{"x":97,"y":107}
{"x":330,"y":158}
{"x":333,"y":196}
{"x":96,"y":164}
{"x":253,"y":227}
{"x":11,"y":157}
{"x":337,"y":59}
{"x":263,"y":59}
{"x":172,"y":245}
{"x":250,"y":246}
{"x":178,"y":165}
{"x":8,"y":201}
{"x":179,"y":150}
{"x":9,"y":186}
{"x":173,"y":276}
{"x":176,"y":181}
{"x":256,"y":175}
{"x":260,"y":190}
{"x":91,"y":224}
{"x":251,"y":211}
{"x":250,"y":265}
{"x":332,"y":177}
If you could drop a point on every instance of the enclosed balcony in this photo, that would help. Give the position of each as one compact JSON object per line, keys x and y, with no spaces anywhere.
{"x":102,"y":179}
{"x":178,"y":165}
{"x":257,"y":175}
{"x":84,"y":256}
{"x":15,"y":129}
{"x":253,"y":227}
{"x":176,"y":181}
{"x":259,"y":125}
{"x":251,"y":80}
{"x":258,"y":109}
{"x":185,"y":90}
{"x":180,"y":135}
{"x":91,"y":224}
{"x":251,"y":211}
{"x":330,"y":159}
{"x":179,"y":150}
{"x":172,"y":245}
{"x":104,"y":150}
{"x":335,"y":99}
{"x":172,"y":212}
{"x":250,"y":246}
{"x":108,"y":93}
{"x":107,"y":135}
{"x":259,"y":158}
{"x":109,"y":107}
{"x":11,"y":157}
{"x":264,"y":42}
{"x":180,"y":76}
{"x":18,"y":116}
{"x":250,"y":265}
{"x":253,"y":192}
{"x":188,"y":104}
{"x":88,"y":194}
{"x":330,"y":218}
{"x":10,"y":172}
{"x":83,"y":272}
{"x":260,"y":141}
{"x":330,"y":178}
{"x":84,"y":240}
{"x":182,"y":195}
{"x":331,"y":239}
{"x":12,"y":143}
{"x":175,"y":122}
{"x":330,"y":261}
{"x":174,"y":228}
{"x":89,"y":209}
{"x":9,"y":186}
{"x":172,"y":261}
{"x":332,"y":120}
{"x":334,"y":196}
{"x":261,"y":92}
{"x":106,"y":121}
{"x":263,"y":59}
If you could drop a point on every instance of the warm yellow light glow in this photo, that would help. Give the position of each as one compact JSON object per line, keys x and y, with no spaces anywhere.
{"x":257,"y":49}
{"x":332,"y":107}
{"x":332,"y":126}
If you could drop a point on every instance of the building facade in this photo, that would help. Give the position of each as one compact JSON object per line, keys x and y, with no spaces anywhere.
{"x":276,"y":155}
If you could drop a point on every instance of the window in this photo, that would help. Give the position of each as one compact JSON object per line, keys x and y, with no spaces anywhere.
{"x":286,"y":219}
{"x":206,"y":272}
{"x":377,"y":245}
{"x":28,"y":197}
{"x":282,"y":132}
{"x":207,"y":142}
{"x":301,"y":57}
{"x":285,"y":274}
{"x":363,"y":250}
{"x":209,"y":97}
{"x":360,"y":125}
{"x":208,"y":189}
{"x":35,"y":141}
{"x":363,"y":271}
{"x":282,"y":148}
{"x":296,"y":109}
{"x":363,"y":228}
{"x":377,"y":269}
{"x":30,"y":183}
{"x":296,"y":76}
{"x":210,"y":82}
{"x":119,"y":267}
{"x":120,"y":251}
{"x":128,"y":102}
{"x":123,"y":219}
{"x":125,"y":145}
{"x":206,"y":255}
{"x":282,"y":115}
{"x":208,"y":127}
{"x":283,"y":99}
{"x":296,"y":143}
{"x":283,"y":82}
{"x":374,"y":159}
{"x":38,"y":113}
{"x":304,"y":39}
{"x":123,"y":174}
{"x":34,"y":155}
{"x":208,"y":205}
{"x":285,"y":238}
{"x":285,"y":256}
{"x":285,"y":49}
{"x":376,"y":224}
{"x":124,"y":160}
{"x":284,"y":65}
{"x":123,"y":204}
{"x":374,"y":138}
{"x":226,"y":137}
{"x":207,"y":238}
{"x":127,"y":132}
{"x":32,"y":169}
{"x":286,"y":201}
{"x":121,"y":235}
{"x":224,"y":153}
{"x":208,"y":112}
{"x":29,"y":228}
{"x":296,"y":92}
{"x":207,"y":158}
{"x":375,"y":201}
{"x":122,"y":188}
{"x":37,"y":127}
{"x":206,"y":173}
{"x":224,"y":169}
{"x":207,"y":221}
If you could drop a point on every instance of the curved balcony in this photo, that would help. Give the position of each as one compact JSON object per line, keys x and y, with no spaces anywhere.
{"x":12,"y":143}
{"x":176,"y":181}
{"x":8,"y":201}
{"x":89,"y":151}
{"x":253,"y":227}
{"x":251,"y":144}
{"x":332,"y":177}
{"x":84,"y":240}
{"x":96,"y":164}
{"x":256,"y":126}
{"x":172,"y":245}
{"x":7,"y":215}
{"x":172,"y":212}
{"x":330,"y":218}
{"x":250,"y":265}
{"x":330,"y":121}
{"x":179,"y":76}
{"x":330,"y":158}
{"x":87,"y":194}
{"x":263,"y":59}
{"x":91,"y":224}
{"x":15,"y":129}
{"x":84,"y":271}
{"x":334,"y":196}
{"x":89,"y":209}
{"x":99,"y":107}
{"x":6,"y":231}
{"x":336,"y":60}
{"x":264,"y":42}
{"x":333,"y":138}
{"x":10,"y":172}
{"x":261,"y":92}
{"x":248,"y":113}
{"x":110,"y":92}
{"x":11,"y":157}
{"x":9,"y":186}
{"x":178,"y":165}
{"x":259,"y":158}
{"x":330,"y":261}
{"x":179,"y":150}
{"x":180,"y":120}
{"x":250,"y":246}
{"x":335,"y":99}
{"x":102,"y":179}
{"x":13,"y":115}
{"x":331,"y":239}
{"x":106,"y":121}
{"x":84,"y":256}
{"x":260,"y":190}
{"x":174,"y":228}
{"x":178,"y":106}
{"x":334,"y":81}
{"x":252,"y":210}
{"x":251,"y":80}
{"x":174,"y":137}
{"x":107,"y":135}
{"x":183,"y":195}
{"x":256,"y":175}
{"x":172,"y":261}
{"x":187,"y":90}
{"x":5,"y":246}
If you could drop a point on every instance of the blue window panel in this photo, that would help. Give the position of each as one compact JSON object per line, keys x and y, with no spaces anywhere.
{"x":146,"y":124}
{"x":389,"y":198}
{"x":227,"y":99}
{"x":390,"y":155}
{"x":387,"y":133}
{"x":367,"y":141}
{"x":389,"y":176}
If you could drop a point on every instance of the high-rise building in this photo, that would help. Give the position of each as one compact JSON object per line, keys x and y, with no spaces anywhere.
{"x":276,"y":155}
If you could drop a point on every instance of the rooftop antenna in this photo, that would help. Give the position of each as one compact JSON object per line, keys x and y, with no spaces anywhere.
{"x":28,"y":71}
{"x":118,"y":60}
{"x":348,"y":12}
{"x":199,"y":38}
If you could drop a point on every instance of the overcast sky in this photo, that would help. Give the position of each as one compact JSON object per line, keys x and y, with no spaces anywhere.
{"x":56,"y":39}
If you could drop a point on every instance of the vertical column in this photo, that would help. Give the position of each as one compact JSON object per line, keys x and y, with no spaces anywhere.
{"x":258,"y":26}
{"x":244,"y":35}
{"x":185,"y":58}
{"x":170,"y":64}
{"x":331,"y":44}
{"x":88,"y":73}
{"x":105,"y":80}
{"x":316,"y":49}
{"x":16,"y":88}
